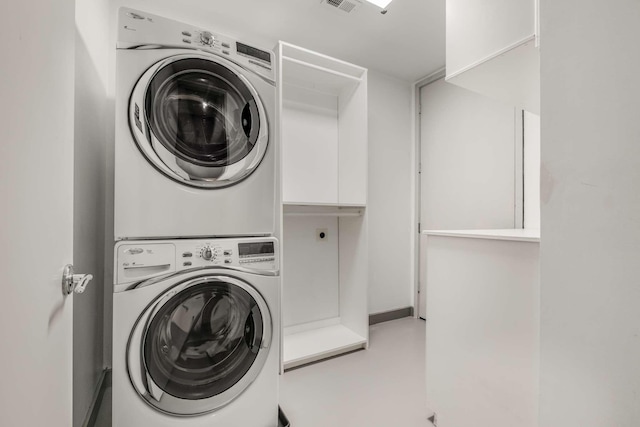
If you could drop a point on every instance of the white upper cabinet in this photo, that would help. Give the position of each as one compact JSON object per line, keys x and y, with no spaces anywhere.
{"x":477,"y":30}
{"x":323,"y":129}
{"x":491,"y":49}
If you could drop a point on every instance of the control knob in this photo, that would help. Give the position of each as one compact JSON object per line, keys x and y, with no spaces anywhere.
{"x":206,"y":38}
{"x":208,"y":253}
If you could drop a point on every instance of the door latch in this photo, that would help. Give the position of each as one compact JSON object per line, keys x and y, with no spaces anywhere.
{"x":74,"y":282}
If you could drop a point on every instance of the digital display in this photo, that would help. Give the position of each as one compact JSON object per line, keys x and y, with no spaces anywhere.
{"x":252,"y":51}
{"x":255,"y":248}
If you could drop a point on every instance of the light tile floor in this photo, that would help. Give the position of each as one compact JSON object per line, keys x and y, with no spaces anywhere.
{"x":383,"y":386}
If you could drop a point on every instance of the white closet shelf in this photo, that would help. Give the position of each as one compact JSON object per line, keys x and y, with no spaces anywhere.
{"x":309,"y":69}
{"x":316,"y":344}
{"x":519,"y":234}
{"x":344,"y":77}
{"x":318,"y":209}
{"x":319,"y":60}
{"x":300,"y":73}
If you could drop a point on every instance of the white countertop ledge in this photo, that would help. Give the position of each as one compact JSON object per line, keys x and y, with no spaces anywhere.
{"x":518,"y":235}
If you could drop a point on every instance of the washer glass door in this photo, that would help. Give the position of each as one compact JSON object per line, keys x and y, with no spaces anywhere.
{"x":205,"y":125}
{"x":202,"y":343}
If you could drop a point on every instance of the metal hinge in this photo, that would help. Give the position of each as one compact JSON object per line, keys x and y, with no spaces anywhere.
{"x":419,"y":229}
{"x":419,"y":168}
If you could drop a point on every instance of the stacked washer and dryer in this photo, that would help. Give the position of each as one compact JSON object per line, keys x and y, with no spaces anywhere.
{"x":196,"y":327}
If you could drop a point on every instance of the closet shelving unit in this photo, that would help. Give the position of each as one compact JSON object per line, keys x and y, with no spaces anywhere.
{"x":323,"y":134}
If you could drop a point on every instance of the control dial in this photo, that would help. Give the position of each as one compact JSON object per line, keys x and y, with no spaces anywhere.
{"x":206,"y":38}
{"x":208,"y":253}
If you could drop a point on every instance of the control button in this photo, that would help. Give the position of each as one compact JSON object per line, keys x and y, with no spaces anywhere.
{"x":186,"y":33}
{"x":187,"y":263}
{"x":135,"y":251}
{"x":226,"y":45}
{"x":206,"y":38}
{"x":227,"y":253}
{"x":187,"y":255}
{"x":186,"y":41}
{"x":226,"y":52}
{"x":227,"y":261}
{"x":207,"y":253}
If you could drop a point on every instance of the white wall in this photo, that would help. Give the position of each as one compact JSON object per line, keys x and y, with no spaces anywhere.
{"x":92,"y":20}
{"x":467,"y":151}
{"x":390,"y":203}
{"x":590,"y":252}
{"x":311,"y":285}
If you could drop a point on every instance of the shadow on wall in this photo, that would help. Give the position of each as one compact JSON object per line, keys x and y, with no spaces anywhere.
{"x":90,"y":145}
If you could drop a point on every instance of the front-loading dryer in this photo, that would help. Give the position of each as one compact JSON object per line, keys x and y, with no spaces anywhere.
{"x":196,"y":333}
{"x":194,"y":139}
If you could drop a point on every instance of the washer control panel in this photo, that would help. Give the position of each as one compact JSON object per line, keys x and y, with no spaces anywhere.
{"x":144,"y":259}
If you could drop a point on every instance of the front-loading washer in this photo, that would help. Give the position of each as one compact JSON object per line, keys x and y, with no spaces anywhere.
{"x":194,"y":137}
{"x":196,"y":333}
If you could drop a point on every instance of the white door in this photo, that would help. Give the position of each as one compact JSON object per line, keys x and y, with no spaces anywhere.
{"x":468,"y":149}
{"x":36,"y":193}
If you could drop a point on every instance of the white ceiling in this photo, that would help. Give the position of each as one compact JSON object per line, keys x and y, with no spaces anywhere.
{"x":407,"y":42}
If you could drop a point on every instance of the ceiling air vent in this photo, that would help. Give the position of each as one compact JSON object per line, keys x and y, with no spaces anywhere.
{"x":344,"y":5}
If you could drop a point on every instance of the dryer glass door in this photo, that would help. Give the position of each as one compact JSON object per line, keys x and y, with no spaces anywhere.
{"x":205,"y":123}
{"x":204,"y":342}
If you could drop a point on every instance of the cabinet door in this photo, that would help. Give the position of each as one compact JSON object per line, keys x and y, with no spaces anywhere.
{"x":477,"y":30}
{"x":309,"y":146}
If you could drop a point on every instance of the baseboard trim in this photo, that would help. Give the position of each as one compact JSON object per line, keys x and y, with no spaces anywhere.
{"x":92,"y":414}
{"x":390,"y":315}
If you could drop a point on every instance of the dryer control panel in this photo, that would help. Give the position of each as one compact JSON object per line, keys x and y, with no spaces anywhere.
{"x":142,"y":30}
{"x":144,"y":259}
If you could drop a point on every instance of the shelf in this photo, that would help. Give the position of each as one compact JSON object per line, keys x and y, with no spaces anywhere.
{"x":299,"y":73}
{"x":520,"y":235}
{"x":322,"y":210}
{"x":323,"y":105}
{"x":318,"y":60}
{"x":302,"y":67}
{"x":306,"y":346}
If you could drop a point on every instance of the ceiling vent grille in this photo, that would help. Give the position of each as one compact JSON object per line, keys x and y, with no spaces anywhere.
{"x":344,"y":5}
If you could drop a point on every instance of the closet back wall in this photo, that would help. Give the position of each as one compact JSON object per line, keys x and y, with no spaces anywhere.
{"x":312,"y":266}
